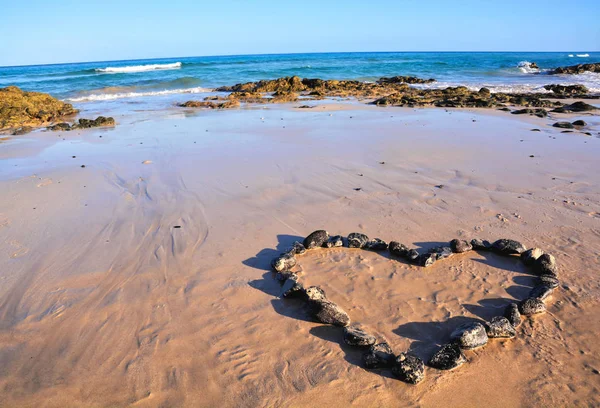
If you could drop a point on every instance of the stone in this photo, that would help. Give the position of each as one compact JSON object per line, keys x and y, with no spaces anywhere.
{"x":404,"y":80}
{"x":283,"y":262}
{"x":357,"y":337}
{"x":576,"y":69}
{"x":60,"y":127}
{"x":481,"y":245}
{"x":316,"y":239}
{"x":334,"y":242}
{"x":412,"y":255}
{"x":550,"y":281}
{"x":441,"y":252}
{"x":566,"y":90}
{"x":470,"y":335}
{"x":285,"y":275}
{"x":579,"y":123}
{"x":540,"y":113}
{"x":513,"y":315}
{"x":409,"y":369}
{"x":500,"y":327}
{"x":379,"y":356}
{"x":100,"y":121}
{"x":563,"y":125}
{"x":459,"y":246}
{"x":531,"y":255}
{"x":210,"y":105}
{"x":376,"y":244}
{"x":532,"y":306}
{"x":448,"y":357}
{"x":575,"y":107}
{"x":315,"y":293}
{"x":541,"y":292}
{"x":508,"y":247}
{"x":545,"y":265}
{"x":292,"y":288}
{"x":357,"y":240}
{"x":397,"y":249}
{"x":296,"y":249}
{"x":425,"y":260}
{"x":325,"y":311}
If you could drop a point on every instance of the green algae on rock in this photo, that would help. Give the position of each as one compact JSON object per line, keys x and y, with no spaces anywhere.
{"x":100,"y":121}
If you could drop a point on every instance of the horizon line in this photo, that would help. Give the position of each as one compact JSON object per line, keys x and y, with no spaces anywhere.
{"x":290,"y":53}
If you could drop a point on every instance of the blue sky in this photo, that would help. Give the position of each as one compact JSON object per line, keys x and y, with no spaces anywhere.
{"x":42,"y":32}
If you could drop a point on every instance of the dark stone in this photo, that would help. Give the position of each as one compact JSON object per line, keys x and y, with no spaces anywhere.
{"x":513,"y":315}
{"x":409,"y":369}
{"x":325,"y":311}
{"x":100,"y":121}
{"x":357,"y":240}
{"x":296,"y":249}
{"x":459,"y":246}
{"x":576,"y":69}
{"x":505,"y":109}
{"x":404,"y":80}
{"x":448,"y":357}
{"x":563,"y":125}
{"x":316,"y":239}
{"x":545,"y":265}
{"x":355,"y":336}
{"x":291,"y":289}
{"x":535,"y":130}
{"x":541,"y":292}
{"x":566,"y":90}
{"x":60,"y":127}
{"x":397,"y":249}
{"x":315,"y":293}
{"x":441,"y":252}
{"x":285,"y":275}
{"x":579,"y":123}
{"x":283,"y":262}
{"x":500,"y":327}
{"x":425,"y":260}
{"x":540,"y":113}
{"x":508,"y":247}
{"x":550,"y":280}
{"x":376,"y":244}
{"x":481,"y":245}
{"x":334,"y":242}
{"x":575,"y":107}
{"x":470,"y":335}
{"x":412,"y":255}
{"x":531,"y":255}
{"x":379,"y":356}
{"x":532,"y":306}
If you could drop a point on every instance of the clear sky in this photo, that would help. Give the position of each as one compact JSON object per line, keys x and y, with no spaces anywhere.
{"x":45,"y":31}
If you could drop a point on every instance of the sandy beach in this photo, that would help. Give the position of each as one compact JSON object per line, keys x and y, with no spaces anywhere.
{"x":135,"y":261}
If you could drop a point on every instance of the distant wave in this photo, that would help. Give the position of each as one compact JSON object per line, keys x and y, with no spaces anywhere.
{"x":110,"y":94}
{"x":583,"y":55}
{"x":571,"y":55}
{"x":525,"y":67}
{"x":138,"y":68}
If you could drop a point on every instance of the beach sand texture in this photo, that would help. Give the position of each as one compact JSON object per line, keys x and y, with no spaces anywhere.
{"x":132,"y":284}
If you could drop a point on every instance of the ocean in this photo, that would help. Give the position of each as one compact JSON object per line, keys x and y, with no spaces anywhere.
{"x":157,"y":83}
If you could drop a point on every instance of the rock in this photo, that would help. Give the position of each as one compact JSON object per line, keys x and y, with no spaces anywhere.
{"x":540,"y":113}
{"x":234,"y":103}
{"x":315,"y":293}
{"x":470,"y":335}
{"x":379,"y":356}
{"x":376,"y":244}
{"x":412,"y":255}
{"x":100,"y":121}
{"x":404,"y":80}
{"x":355,"y":336}
{"x":20,"y":109}
{"x":325,"y":311}
{"x":292,"y":288}
{"x":576,"y":69}
{"x":22,"y":130}
{"x":459,"y":246}
{"x":563,"y":125}
{"x":531,"y":255}
{"x":545,"y":265}
{"x":60,"y":127}
{"x":508,"y":247}
{"x":500,"y":327}
{"x":481,"y":245}
{"x":550,"y":280}
{"x":532,"y":306}
{"x":566,"y":90}
{"x":357,"y":240}
{"x":535,"y":130}
{"x":425,"y":260}
{"x":533,"y":65}
{"x":505,"y":109}
{"x":285,"y":275}
{"x":334,"y":242}
{"x":397,"y":249}
{"x":296,"y":249}
{"x":579,"y":123}
{"x":409,"y":369}
{"x":541,"y":292}
{"x":448,"y":357}
{"x":316,"y":239}
{"x":575,"y":107}
{"x":283,"y":262}
{"x":513,"y":315}
{"x":441,"y":252}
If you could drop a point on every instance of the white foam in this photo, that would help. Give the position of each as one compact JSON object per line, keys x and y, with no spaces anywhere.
{"x":571,"y":55}
{"x":123,"y":95}
{"x":138,"y":68}
{"x":583,"y":55}
{"x":525,"y":67}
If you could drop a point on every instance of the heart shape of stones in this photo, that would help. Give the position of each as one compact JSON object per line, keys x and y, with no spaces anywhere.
{"x":407,"y":367}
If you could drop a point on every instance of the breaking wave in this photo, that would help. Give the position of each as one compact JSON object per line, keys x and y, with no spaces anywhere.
{"x":525,"y":67}
{"x":583,"y":55}
{"x":110,"y":94}
{"x":138,"y":68}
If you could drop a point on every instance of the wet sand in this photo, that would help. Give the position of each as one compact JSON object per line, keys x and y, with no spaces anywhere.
{"x":131,"y":284}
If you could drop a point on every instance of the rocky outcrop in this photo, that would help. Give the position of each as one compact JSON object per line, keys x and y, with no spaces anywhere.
{"x":26,"y":110}
{"x":100,"y":121}
{"x":210,"y":105}
{"x":404,"y":80}
{"x":578,"y":106}
{"x":576,"y":69}
{"x":566,"y":90}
